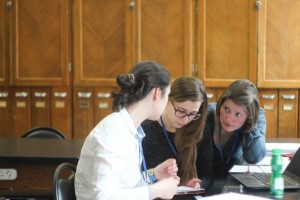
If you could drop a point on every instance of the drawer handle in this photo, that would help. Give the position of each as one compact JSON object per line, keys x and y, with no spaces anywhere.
{"x":268,"y":96}
{"x":21,"y":94}
{"x":288,"y":96}
{"x":60,"y":94}
{"x":40,"y":94}
{"x":84,"y":94}
{"x":287,"y":107}
{"x":103,"y":105}
{"x":131,"y":5}
{"x":269,"y":107}
{"x":9,"y":5}
{"x":103,"y":95}
{"x":3,"y":94}
{"x":210,"y":95}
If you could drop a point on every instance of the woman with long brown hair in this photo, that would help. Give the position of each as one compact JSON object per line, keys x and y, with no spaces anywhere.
{"x":179,"y":133}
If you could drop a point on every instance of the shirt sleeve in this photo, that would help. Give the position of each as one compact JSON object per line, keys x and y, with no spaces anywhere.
{"x":254,"y":147}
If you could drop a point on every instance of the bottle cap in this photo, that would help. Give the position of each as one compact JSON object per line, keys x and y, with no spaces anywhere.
{"x":277,"y":152}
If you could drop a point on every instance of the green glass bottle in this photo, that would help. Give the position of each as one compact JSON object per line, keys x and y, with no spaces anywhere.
{"x":276,"y":182}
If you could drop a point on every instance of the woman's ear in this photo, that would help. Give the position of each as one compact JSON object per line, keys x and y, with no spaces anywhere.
{"x":156,"y":93}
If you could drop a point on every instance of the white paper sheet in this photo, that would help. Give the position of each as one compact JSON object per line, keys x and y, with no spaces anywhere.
{"x":250,"y":168}
{"x":283,"y":146}
{"x":233,"y":196}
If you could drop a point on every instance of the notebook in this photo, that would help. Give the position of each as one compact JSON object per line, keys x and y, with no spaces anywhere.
{"x":291,"y":176}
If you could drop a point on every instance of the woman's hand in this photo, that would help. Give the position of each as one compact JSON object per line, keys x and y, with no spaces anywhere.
{"x":166,"y":169}
{"x":194,"y":183}
{"x":165,"y":188}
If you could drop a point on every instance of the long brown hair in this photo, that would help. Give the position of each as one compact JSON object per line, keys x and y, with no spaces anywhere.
{"x":186,"y":138}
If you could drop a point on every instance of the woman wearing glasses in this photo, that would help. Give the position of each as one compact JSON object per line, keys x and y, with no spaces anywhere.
{"x":178,"y":133}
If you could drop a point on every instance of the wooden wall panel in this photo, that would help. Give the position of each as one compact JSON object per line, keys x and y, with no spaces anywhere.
{"x":83,"y":111}
{"x":4,"y":45}
{"x":288,"y":113}
{"x":5,"y":112}
{"x":269,"y":102}
{"x":279,"y":44}
{"x":40,"y":107}
{"x":40,"y":42}
{"x":61,"y":110}
{"x":226,"y":41}
{"x":21,"y":111}
{"x":100,"y":41}
{"x":164,"y":32}
{"x":103,"y":103}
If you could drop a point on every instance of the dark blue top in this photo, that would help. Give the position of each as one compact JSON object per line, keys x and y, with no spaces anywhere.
{"x":235,"y":152}
{"x":157,"y":150}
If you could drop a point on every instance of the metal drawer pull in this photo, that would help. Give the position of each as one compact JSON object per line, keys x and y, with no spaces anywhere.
{"x":60,"y":94}
{"x":103,"y":105}
{"x":8,"y":5}
{"x":103,"y":95}
{"x":84,"y":104}
{"x":21,"y":94}
{"x":84,"y":94}
{"x":269,"y":107}
{"x":268,"y":96}
{"x":210,"y":95}
{"x":3,"y":94}
{"x":287,"y":107}
{"x":288,"y":96}
{"x":40,"y":94}
{"x":131,"y":5}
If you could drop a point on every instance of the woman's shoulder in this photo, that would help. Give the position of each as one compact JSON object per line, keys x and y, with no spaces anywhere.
{"x":149,"y":125}
{"x":212,"y":106}
{"x":210,"y":111}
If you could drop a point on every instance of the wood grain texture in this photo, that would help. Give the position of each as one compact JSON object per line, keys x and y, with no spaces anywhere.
{"x":279,"y":44}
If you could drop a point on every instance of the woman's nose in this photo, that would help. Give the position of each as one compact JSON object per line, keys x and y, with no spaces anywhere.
{"x":230,"y":117}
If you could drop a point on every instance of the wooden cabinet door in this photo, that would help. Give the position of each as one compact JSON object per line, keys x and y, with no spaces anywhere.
{"x":100,"y":42}
{"x":269,"y":102}
{"x":4,"y":42}
{"x":279,"y":46}
{"x":83,"y":111}
{"x":40,"y":42}
{"x":226,"y":40}
{"x":21,"y":111}
{"x":5,"y":112}
{"x":61,"y":107}
{"x":288,"y":113}
{"x":163,"y":31}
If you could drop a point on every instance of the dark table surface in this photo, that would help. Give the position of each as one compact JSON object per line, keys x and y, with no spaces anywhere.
{"x":40,"y":150}
{"x":34,"y":158}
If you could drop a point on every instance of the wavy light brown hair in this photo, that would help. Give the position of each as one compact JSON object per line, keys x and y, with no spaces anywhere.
{"x":186,"y":138}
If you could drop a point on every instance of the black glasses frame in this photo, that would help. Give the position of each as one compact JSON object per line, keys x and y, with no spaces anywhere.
{"x":190,"y":116}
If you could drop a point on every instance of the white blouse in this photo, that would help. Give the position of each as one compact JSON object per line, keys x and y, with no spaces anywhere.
{"x":109,"y":164}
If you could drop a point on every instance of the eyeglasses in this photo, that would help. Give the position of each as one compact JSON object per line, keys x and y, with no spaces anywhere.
{"x":182,"y":114}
